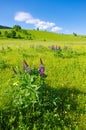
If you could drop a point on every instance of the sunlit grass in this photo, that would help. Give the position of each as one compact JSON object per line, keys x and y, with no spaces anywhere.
{"x":62,"y":72}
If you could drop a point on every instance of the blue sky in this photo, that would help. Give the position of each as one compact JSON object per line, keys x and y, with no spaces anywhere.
{"x":61,"y":16}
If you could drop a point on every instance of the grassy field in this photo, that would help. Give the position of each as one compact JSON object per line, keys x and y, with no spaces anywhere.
{"x":61,"y":102}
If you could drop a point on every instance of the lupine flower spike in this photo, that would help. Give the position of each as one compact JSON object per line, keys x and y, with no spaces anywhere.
{"x":41,"y":70}
{"x":53,"y":48}
{"x":25,"y":67}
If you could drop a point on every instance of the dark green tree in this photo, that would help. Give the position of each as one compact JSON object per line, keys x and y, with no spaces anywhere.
{"x":0,"y":33}
{"x":17,"y":27}
{"x":74,"y":34}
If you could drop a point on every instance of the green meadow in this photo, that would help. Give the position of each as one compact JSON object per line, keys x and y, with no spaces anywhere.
{"x":54,"y":101}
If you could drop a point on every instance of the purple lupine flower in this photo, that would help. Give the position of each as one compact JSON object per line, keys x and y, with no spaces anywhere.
{"x":53,"y":48}
{"x":25,"y":67}
{"x":41,"y":70}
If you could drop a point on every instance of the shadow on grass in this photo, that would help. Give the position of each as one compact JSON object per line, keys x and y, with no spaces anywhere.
{"x":62,"y":98}
{"x":56,"y":109}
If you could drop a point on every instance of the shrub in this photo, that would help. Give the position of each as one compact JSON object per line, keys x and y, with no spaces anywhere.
{"x":17,"y":27}
{"x":7,"y":34}
{"x":13,"y":34}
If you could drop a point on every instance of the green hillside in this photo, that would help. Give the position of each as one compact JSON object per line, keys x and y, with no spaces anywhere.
{"x":43,"y":35}
{"x":40,"y":35}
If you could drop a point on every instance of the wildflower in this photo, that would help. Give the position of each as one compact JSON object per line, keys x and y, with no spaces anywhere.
{"x":53,"y":48}
{"x":25,"y":67}
{"x":41,"y":70}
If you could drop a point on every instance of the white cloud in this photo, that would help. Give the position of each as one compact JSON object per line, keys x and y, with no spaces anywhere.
{"x":29,"y":19}
{"x":32,"y":21}
{"x":44,"y":25}
{"x":22,"y":16}
{"x":55,"y":29}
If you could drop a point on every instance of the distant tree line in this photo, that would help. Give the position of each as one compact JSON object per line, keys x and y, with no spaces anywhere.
{"x":4,"y":27}
{"x":17,"y":32}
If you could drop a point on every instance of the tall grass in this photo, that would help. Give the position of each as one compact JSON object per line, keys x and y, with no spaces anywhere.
{"x":59,"y":100}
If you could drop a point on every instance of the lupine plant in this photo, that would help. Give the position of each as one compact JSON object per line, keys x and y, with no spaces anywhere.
{"x":25,"y":99}
{"x":66,"y":52}
{"x":27,"y":84}
{"x":41,"y":70}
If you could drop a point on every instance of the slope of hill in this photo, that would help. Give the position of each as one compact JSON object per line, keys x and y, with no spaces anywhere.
{"x":40,"y":35}
{"x":50,"y":36}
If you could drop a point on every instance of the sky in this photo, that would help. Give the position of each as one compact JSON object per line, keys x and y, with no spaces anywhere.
{"x":60,"y":16}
